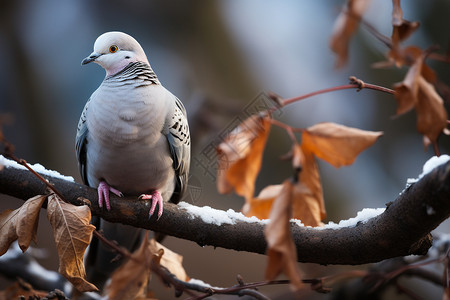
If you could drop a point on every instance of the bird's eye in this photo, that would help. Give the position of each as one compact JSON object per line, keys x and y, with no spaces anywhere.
{"x":113,"y":49}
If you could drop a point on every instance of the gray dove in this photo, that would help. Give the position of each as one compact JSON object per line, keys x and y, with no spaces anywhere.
{"x":132,"y":139}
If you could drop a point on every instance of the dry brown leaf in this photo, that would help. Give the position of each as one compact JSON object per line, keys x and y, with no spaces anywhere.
{"x":402,"y":28}
{"x":240,"y":156}
{"x":130,"y":280}
{"x":308,"y":205}
{"x":281,"y":251}
{"x":337,"y":144}
{"x":171,"y":260}
{"x":20,"y":224}
{"x":21,"y":290}
{"x":397,"y":13}
{"x":402,"y":31}
{"x":406,"y":92}
{"x":307,"y":198}
{"x":344,"y":28}
{"x":261,"y":205}
{"x":431,"y":113}
{"x":72,"y":233}
{"x":417,"y":91}
{"x":298,"y":158}
{"x":399,"y":57}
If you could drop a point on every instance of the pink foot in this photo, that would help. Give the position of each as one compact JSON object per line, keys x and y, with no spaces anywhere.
{"x":156,"y":199}
{"x":103,"y":194}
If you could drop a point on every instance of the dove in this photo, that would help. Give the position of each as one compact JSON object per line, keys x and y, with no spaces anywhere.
{"x":132,"y":138}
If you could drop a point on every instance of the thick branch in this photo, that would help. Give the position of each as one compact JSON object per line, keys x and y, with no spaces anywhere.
{"x":401,"y":230}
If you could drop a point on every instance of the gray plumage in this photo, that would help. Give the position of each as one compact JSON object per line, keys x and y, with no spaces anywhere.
{"x":132,"y":135}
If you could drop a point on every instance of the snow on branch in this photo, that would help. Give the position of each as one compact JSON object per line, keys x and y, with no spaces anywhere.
{"x":401,"y":229}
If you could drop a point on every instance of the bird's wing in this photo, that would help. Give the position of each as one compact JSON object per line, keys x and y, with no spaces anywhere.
{"x":179,"y":140}
{"x":80,"y":144}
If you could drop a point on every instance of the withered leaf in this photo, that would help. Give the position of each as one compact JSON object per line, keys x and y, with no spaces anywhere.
{"x":261,"y":205}
{"x":171,"y":260}
{"x":20,"y":224}
{"x":402,"y":28}
{"x":416,"y":91}
{"x":308,"y":204}
{"x":337,"y":144}
{"x":399,"y":56}
{"x":130,"y":280}
{"x":344,"y":28}
{"x":72,"y":233}
{"x":240,"y":156}
{"x":307,"y":198}
{"x":298,"y":158}
{"x":281,"y":251}
{"x":406,"y":92}
{"x":397,"y":13}
{"x":21,"y":290}
{"x":431,"y":113}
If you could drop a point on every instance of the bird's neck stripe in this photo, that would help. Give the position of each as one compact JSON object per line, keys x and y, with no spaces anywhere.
{"x":136,"y":70}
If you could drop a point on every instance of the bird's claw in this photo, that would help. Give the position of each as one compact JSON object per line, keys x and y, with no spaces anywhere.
{"x":156,"y":199}
{"x":103,"y":194}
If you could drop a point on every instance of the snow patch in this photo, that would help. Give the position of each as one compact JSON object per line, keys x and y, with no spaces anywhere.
{"x":202,"y":283}
{"x":216,"y":216}
{"x":362,"y":216}
{"x":300,"y":223}
{"x":36,"y":167}
{"x":432,"y":163}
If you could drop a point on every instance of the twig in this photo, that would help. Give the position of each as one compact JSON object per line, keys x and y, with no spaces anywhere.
{"x":378,"y":35}
{"x":437,"y":152}
{"x":425,"y":275}
{"x":113,"y":245}
{"x":9,"y":153}
{"x":319,"y":284}
{"x":288,"y":129}
{"x":396,"y":273}
{"x":48,"y":184}
{"x":338,"y":88}
{"x":237,"y":289}
{"x":170,"y":279}
{"x":383,"y":279}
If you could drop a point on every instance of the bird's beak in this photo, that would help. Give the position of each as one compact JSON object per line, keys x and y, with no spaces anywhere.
{"x":90,"y":58}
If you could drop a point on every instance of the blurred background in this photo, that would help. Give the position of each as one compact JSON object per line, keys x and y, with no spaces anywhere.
{"x":217,"y":57}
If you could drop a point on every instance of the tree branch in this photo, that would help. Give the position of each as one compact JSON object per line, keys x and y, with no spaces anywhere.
{"x":401,"y":230}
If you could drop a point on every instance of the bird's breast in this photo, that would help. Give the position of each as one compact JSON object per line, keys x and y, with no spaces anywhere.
{"x":121,"y":116}
{"x":125,"y":144}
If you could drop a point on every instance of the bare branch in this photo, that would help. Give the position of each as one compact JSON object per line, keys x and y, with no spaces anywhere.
{"x":401,"y":230}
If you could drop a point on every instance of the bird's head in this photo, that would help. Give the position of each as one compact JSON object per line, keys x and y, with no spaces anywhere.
{"x":114,"y":51}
